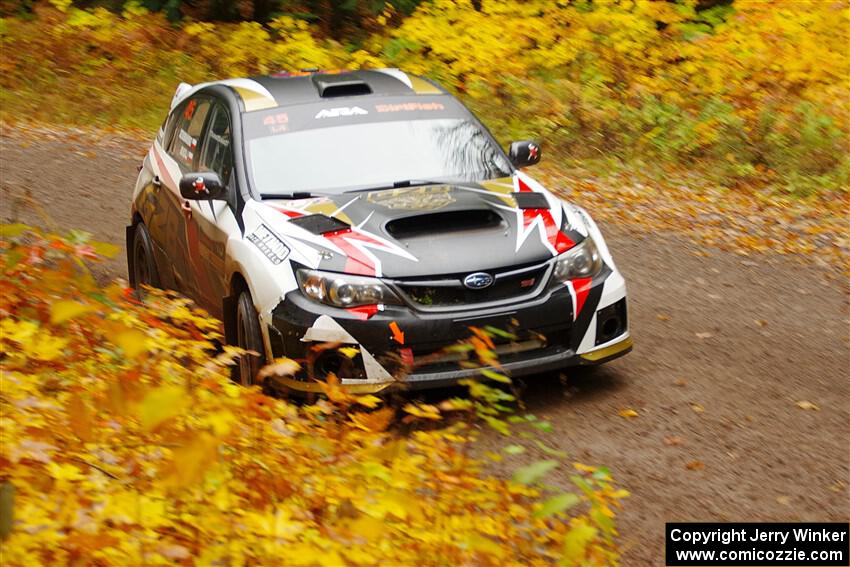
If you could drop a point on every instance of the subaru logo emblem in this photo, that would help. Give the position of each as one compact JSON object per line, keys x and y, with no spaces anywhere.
{"x":478,"y":280}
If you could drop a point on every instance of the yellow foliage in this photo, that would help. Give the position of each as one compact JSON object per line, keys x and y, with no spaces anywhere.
{"x":161,"y":459}
{"x":763,"y":82}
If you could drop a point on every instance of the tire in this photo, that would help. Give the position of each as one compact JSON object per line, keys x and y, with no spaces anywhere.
{"x":248,"y":337}
{"x":143,"y":267}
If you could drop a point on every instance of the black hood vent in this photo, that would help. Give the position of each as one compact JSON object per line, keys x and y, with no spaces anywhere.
{"x":529,"y":200}
{"x":331,"y":86}
{"x":444,"y":223}
{"x":319,"y":224}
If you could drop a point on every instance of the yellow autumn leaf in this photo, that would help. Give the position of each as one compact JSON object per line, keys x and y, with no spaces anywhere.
{"x":132,"y":341}
{"x":627,"y":413}
{"x":80,"y":418}
{"x":162,"y":404}
{"x":577,"y":540}
{"x":45,"y":347}
{"x":19,"y":331}
{"x":369,"y":401}
{"x":375,"y":421}
{"x":64,"y":471}
{"x":350,"y":352}
{"x":62,"y":311}
{"x":425,"y":411}
{"x":190,"y":462}
{"x":368,"y":527}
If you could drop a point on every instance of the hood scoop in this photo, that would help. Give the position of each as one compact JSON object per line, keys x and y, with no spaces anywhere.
{"x":444,"y":223}
{"x":529,"y":200}
{"x":319,"y":224}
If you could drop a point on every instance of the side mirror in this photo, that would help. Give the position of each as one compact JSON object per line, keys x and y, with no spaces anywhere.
{"x":202,"y":186}
{"x":524,"y":153}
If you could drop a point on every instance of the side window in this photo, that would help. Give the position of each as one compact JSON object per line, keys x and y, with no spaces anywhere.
{"x":217,"y":154}
{"x":190,"y":123}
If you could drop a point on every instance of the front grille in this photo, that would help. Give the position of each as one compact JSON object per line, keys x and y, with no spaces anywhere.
{"x":450,"y":292}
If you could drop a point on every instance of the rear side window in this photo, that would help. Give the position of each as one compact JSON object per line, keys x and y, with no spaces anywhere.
{"x":190,"y":124}
{"x":216,"y":150}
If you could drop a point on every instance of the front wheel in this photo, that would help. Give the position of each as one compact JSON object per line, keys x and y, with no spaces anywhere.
{"x":143,"y":269}
{"x":249,"y":338}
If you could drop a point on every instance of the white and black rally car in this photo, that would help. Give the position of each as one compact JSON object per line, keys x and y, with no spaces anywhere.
{"x":369,"y":210}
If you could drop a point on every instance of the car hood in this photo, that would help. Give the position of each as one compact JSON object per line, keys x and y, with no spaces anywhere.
{"x":427,"y":230}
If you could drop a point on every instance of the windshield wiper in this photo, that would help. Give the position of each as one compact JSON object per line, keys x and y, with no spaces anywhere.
{"x":293,"y":195}
{"x":399,"y":185}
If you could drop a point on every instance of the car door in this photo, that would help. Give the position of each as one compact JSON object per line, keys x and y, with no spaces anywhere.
{"x":210,"y":223}
{"x":181,"y":157}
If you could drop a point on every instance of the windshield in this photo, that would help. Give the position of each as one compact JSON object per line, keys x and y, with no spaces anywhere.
{"x":374,"y":154}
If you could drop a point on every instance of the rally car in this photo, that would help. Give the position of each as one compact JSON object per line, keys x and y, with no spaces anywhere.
{"x":360,"y":222}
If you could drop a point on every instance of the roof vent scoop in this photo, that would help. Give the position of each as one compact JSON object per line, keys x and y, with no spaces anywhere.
{"x":330,"y":86}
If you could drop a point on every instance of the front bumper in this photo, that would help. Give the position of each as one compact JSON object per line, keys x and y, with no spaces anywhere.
{"x":549,"y":337}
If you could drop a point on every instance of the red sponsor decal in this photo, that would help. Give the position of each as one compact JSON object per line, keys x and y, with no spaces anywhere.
{"x":406,"y":356}
{"x":276,"y":123}
{"x":163,"y":171}
{"x":409,"y":106}
{"x":190,"y":109}
{"x":358,"y":262}
{"x":582,"y":288}
{"x":279,"y":118}
{"x":288,"y":212}
{"x":364,"y":311}
{"x":560,"y":241}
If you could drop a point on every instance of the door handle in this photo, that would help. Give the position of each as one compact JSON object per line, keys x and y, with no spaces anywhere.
{"x":186,"y":207}
{"x":157,"y":182}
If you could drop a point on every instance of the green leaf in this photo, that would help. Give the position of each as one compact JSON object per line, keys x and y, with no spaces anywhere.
{"x":603,"y":521}
{"x":514,"y":449}
{"x":583,"y":484}
{"x":7,"y":509}
{"x":105,"y":249}
{"x":534,"y":472}
{"x":557,"y":504}
{"x":497,"y":424}
{"x":12,"y":230}
{"x":544,"y":426}
{"x":549,"y":450}
{"x":499,"y":332}
{"x":602,"y":473}
{"x":13,"y":257}
{"x":496,"y":376}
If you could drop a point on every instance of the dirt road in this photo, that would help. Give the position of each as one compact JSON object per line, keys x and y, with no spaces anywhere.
{"x":725,"y":349}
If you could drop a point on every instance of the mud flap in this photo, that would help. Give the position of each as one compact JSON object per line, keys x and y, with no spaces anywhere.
{"x":129,"y":233}
{"x":228,"y":306}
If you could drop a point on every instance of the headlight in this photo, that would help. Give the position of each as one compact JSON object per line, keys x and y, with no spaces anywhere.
{"x":582,"y":261}
{"x":343,"y":290}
